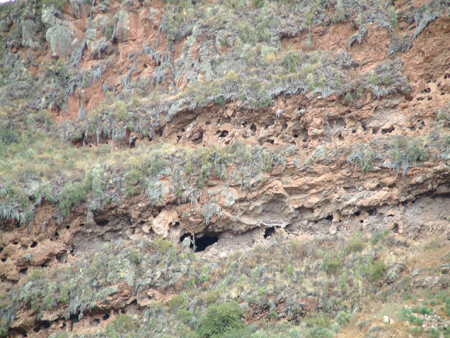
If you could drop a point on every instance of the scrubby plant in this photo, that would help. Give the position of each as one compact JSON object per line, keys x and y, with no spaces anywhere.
{"x":378,"y":270}
{"x":332,"y":266}
{"x":356,"y":245}
{"x":220,"y":320}
{"x":343,"y":318}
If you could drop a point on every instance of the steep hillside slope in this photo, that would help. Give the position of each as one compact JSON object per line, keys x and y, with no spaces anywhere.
{"x":160,"y":156}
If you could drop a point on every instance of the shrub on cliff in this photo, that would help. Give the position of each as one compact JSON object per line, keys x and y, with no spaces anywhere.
{"x":378,"y":270}
{"x":220,"y":320}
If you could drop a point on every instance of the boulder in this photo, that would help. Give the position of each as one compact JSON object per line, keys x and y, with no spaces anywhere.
{"x":60,"y":38}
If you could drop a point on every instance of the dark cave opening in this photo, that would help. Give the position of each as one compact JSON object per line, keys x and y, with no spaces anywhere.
{"x":269,"y":232}
{"x":200,"y":243}
{"x":42,"y":326}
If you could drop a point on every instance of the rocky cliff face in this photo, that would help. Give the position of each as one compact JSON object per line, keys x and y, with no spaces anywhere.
{"x":226,"y":121}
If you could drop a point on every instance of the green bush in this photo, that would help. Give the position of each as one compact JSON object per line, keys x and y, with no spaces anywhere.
{"x":185,"y":316}
{"x":356,"y":245}
{"x":320,"y":332}
{"x":7,"y":136}
{"x":423,"y":310}
{"x":3,"y":332}
{"x":72,"y":194}
{"x":220,"y":320}
{"x":414,"y":320}
{"x":332,"y":266}
{"x":378,"y":236}
{"x":378,"y":270}
{"x":432,"y":333}
{"x":343,"y":318}
{"x":176,"y":302}
{"x":121,"y":326}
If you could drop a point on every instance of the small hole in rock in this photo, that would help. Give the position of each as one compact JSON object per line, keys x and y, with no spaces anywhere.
{"x":253,"y":128}
{"x":55,"y":237}
{"x":67,"y":227}
{"x":96,"y":322}
{"x":295,"y":135}
{"x":372,"y":212}
{"x":361,"y":221}
{"x":329,"y":218}
{"x":105,"y":316}
{"x":395,"y":228}
{"x":182,"y":129}
{"x":269,"y":124}
{"x":33,"y":245}
{"x":269,"y":232}
{"x":388,"y":130}
{"x":82,"y":225}
{"x":270,"y":141}
{"x":15,"y":243}
{"x":284,"y":126}
{"x":340,"y":137}
{"x":374,"y":130}
{"x":222,"y":133}
{"x":4,"y":259}
{"x":73,"y":319}
{"x":123,"y":311}
{"x":356,"y":213}
{"x":23,"y":271}
{"x":62,"y":258}
{"x":102,"y":222}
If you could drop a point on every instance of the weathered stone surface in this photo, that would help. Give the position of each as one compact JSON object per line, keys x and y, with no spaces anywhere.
{"x":161,"y":224}
{"x":122,"y":27}
{"x":29,"y":34}
{"x":60,"y":38}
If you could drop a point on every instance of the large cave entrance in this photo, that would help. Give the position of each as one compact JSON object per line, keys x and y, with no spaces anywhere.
{"x":200,"y":243}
